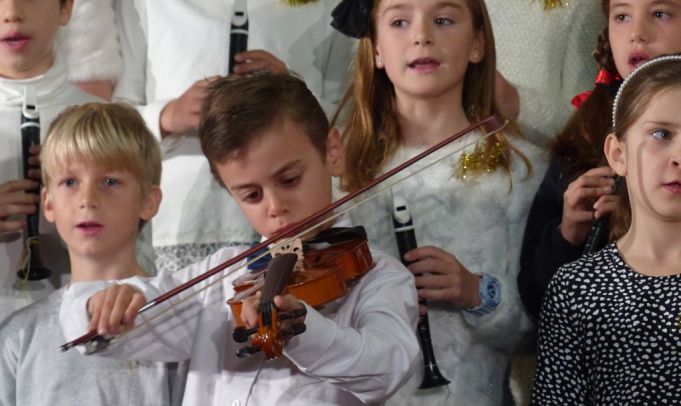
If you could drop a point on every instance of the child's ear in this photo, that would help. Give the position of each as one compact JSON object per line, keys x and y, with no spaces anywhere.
{"x":478,"y":48}
{"x":151,"y":203}
{"x":335,"y":155}
{"x":65,"y":12}
{"x":46,"y":204}
{"x":615,"y":152}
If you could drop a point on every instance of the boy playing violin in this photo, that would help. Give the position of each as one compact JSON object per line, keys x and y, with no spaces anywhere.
{"x":265,"y":137}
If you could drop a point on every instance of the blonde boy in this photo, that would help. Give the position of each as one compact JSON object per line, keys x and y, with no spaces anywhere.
{"x":27,"y":58}
{"x":266,"y":139}
{"x":101,"y":170}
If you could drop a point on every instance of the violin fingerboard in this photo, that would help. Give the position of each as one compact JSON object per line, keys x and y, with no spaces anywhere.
{"x":277,"y":275}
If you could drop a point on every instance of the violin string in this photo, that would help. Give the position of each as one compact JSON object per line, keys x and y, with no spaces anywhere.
{"x":331,"y":217}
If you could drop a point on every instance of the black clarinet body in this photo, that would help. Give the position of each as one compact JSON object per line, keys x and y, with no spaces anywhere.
{"x":597,"y":237}
{"x":31,"y":267}
{"x":238,"y":33}
{"x":406,"y":241}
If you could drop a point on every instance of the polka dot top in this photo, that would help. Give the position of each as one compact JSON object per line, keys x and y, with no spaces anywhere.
{"x":609,"y":336}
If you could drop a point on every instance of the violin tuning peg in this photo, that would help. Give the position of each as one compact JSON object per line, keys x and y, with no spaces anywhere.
{"x":241,"y":334}
{"x":298,"y":328}
{"x":294,"y":330}
{"x":294,"y":314}
{"x":246,"y":352}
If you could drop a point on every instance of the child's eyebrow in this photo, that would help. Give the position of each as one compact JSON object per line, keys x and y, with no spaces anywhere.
{"x":288,"y":166}
{"x":666,"y":124}
{"x":438,"y":6}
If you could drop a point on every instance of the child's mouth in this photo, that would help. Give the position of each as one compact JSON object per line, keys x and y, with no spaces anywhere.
{"x":15,"y":41}
{"x":89,"y":227}
{"x":674,"y":187}
{"x":637,"y":59}
{"x":424,"y":64}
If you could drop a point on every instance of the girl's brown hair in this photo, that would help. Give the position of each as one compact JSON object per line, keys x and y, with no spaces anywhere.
{"x":371,"y":130}
{"x":638,"y":90}
{"x":579,"y":145}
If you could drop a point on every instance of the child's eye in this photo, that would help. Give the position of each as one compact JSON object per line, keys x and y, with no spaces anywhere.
{"x":111,"y":182}
{"x":68,"y":182}
{"x":398,"y":22}
{"x":661,"y":134}
{"x":251,"y":197}
{"x":661,"y":14}
{"x":622,"y":18}
{"x":443,"y":21}
{"x":291,"y":181}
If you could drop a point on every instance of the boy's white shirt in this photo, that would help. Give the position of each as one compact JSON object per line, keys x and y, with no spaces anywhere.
{"x":54,"y":94}
{"x":162,"y":58}
{"x":361,"y":347}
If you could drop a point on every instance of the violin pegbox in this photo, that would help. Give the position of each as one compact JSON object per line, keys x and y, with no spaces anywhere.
{"x":292,"y":247}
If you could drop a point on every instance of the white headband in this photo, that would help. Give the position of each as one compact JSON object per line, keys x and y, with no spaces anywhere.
{"x":674,"y":57}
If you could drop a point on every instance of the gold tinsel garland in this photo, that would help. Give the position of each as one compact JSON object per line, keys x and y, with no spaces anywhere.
{"x":551,"y":4}
{"x":294,"y":3}
{"x":484,"y":159}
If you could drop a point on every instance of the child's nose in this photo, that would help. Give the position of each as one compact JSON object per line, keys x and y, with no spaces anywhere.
{"x":277,"y":205}
{"x":422,"y":33}
{"x":639,"y":30}
{"x":89,"y":197}
{"x":11,"y":11}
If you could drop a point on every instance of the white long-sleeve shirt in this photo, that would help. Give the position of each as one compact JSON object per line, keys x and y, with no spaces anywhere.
{"x":168,"y":45}
{"x":359,"y":348}
{"x":481,"y":222}
{"x":549,"y":59}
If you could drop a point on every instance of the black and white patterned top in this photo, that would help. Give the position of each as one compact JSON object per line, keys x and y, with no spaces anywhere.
{"x":609,"y":336}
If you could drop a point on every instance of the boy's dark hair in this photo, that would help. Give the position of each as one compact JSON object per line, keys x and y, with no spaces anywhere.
{"x":239,"y":109}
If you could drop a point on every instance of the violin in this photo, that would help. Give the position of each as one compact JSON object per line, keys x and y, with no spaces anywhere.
{"x":331,"y":263}
{"x":94,"y":342}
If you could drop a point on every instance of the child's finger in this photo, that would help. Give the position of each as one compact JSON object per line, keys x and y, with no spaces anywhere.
{"x":428,"y":251}
{"x":121,"y":303}
{"x":94,"y":309}
{"x":105,"y":324}
{"x":138,"y":300}
{"x":17,"y":186}
{"x":11,"y":226}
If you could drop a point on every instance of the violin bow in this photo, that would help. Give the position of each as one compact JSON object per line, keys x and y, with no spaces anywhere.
{"x":491,"y":125}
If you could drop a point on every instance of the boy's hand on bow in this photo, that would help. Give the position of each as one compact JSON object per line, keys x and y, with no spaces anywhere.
{"x":113,"y":310}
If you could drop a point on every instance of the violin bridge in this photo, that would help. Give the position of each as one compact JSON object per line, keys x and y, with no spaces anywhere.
{"x":292,"y":247}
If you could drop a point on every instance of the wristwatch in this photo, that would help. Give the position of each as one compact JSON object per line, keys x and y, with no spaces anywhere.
{"x":490,"y":296}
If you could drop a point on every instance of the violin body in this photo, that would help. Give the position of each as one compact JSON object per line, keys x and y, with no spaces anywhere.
{"x":327,"y":274}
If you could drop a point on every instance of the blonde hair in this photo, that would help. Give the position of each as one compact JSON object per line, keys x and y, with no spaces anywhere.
{"x":371,"y":130}
{"x":110,"y":135}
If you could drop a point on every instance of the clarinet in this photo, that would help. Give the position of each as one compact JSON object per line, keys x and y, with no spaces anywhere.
{"x":406,"y":241}
{"x":31,"y":266}
{"x":238,"y":33}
